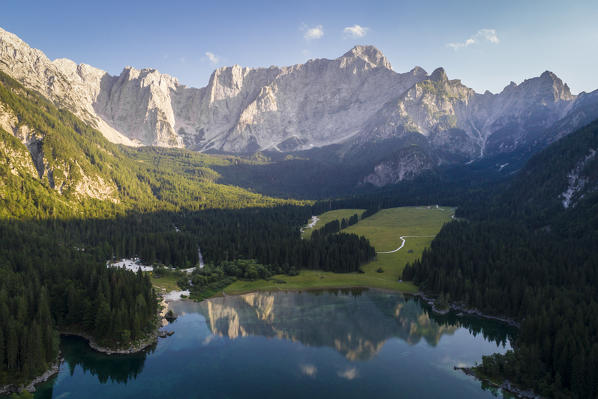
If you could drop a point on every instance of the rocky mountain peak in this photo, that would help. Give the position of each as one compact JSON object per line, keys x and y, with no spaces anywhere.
{"x":78,"y":71}
{"x":439,"y":75}
{"x":370,"y":54}
{"x":6,"y":36}
{"x":560,"y":90}
{"x":547,"y":88}
{"x":549,"y":75}
{"x":418,"y":71}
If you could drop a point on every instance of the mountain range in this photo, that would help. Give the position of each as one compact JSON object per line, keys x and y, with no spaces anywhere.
{"x":354,"y":109}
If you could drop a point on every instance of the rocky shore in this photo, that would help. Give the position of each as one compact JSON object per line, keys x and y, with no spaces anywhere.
{"x":461,"y":308}
{"x":16,"y":388}
{"x":136,"y":346}
{"x":505,"y":386}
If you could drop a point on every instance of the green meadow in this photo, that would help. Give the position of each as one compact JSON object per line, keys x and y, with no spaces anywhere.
{"x":384,"y":230}
{"x":338,"y":214}
{"x":165,"y":283}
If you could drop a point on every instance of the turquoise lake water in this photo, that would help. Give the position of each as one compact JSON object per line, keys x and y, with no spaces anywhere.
{"x":325,"y":344}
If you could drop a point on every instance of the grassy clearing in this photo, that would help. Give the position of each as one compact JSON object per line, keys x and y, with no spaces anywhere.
{"x":166,"y":283}
{"x":383,"y":230}
{"x":313,"y":279}
{"x":328,"y":217}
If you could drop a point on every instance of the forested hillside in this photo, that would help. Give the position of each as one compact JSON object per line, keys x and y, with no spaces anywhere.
{"x":46,"y":287}
{"x":54,"y":165}
{"x":529,"y":252}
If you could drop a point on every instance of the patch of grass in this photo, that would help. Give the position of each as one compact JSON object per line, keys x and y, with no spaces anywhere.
{"x":212,"y":289}
{"x":166,"y":282}
{"x":314,"y":279}
{"x":328,"y":217}
{"x":383,"y":229}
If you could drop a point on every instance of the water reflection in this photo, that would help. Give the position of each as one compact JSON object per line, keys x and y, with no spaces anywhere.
{"x":107,"y":368}
{"x":321,"y":344}
{"x":356,"y":325}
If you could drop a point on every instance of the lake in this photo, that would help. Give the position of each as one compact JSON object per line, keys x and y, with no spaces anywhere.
{"x":319,"y":344}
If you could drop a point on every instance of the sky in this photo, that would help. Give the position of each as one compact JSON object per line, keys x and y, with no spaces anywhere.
{"x":486,"y":44}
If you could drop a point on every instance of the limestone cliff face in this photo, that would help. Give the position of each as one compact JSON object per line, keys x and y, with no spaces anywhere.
{"x":299,"y":107}
{"x":139,"y":104}
{"x":404,"y":165}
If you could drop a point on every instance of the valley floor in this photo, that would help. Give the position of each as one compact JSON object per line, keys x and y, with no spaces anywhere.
{"x":417,"y":226}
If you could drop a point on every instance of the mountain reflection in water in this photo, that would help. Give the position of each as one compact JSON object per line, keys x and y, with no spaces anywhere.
{"x":356,"y":325}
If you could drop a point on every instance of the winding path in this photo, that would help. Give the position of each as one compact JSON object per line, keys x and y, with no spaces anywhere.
{"x":311,"y":224}
{"x":402,"y":244}
{"x":314,"y":220}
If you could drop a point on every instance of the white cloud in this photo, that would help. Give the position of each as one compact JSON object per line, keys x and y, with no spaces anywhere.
{"x":348,"y":374}
{"x":314,"y":33}
{"x":356,"y":31}
{"x":309,"y":369}
{"x":208,"y":340}
{"x":488,"y":35}
{"x":213,"y":58}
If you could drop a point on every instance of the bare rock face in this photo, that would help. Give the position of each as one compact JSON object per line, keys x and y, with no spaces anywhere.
{"x":404,"y":166}
{"x":291,"y":108}
{"x":440,"y":108}
{"x":139,"y":104}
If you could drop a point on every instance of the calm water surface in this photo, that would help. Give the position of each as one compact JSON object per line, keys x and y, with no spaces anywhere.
{"x":349,"y":344}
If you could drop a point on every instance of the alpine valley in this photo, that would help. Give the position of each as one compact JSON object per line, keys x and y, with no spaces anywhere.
{"x":345,"y":229}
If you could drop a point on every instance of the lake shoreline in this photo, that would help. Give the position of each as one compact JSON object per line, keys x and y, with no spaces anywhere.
{"x":457,"y":307}
{"x":140,"y":345}
{"x":505,"y":385}
{"x":54,"y":368}
{"x":454,"y":306}
{"x":148,"y":341}
{"x":460,"y":307}
{"x":309,"y":289}
{"x":471,"y":371}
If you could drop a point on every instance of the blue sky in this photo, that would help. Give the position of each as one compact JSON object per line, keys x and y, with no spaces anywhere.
{"x":486,"y":44}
